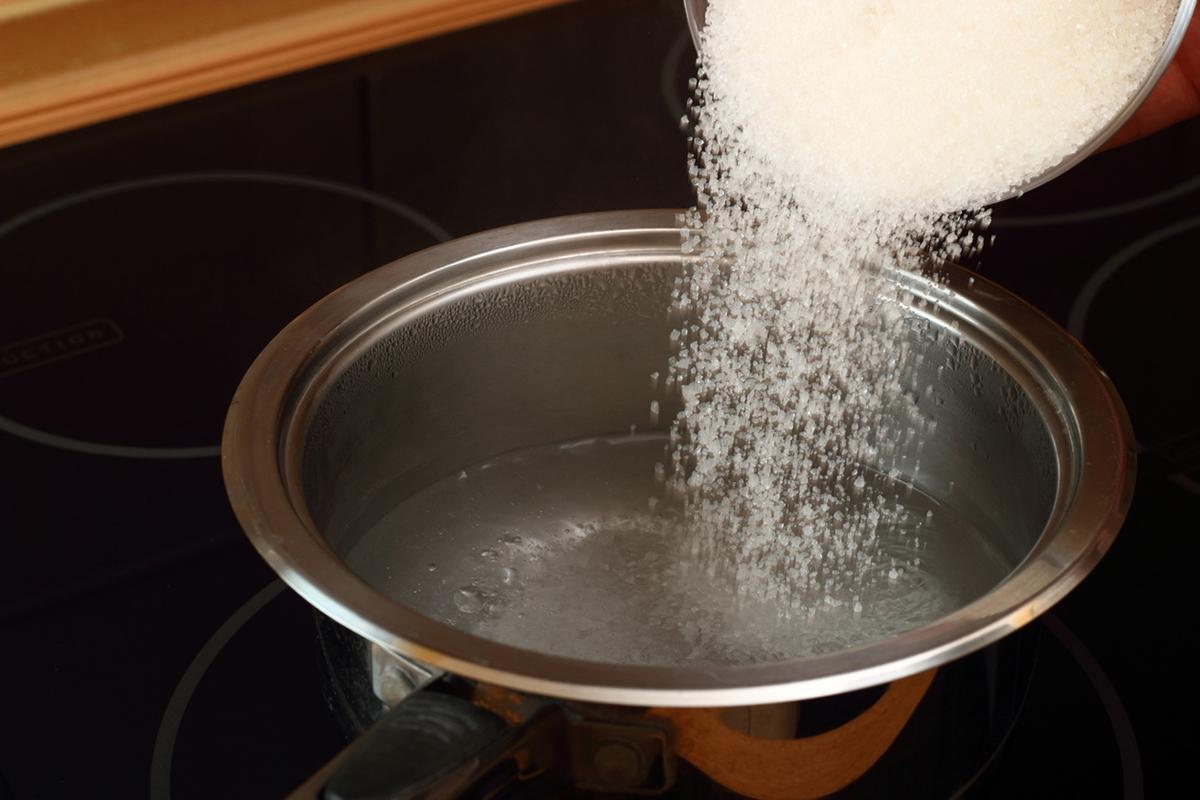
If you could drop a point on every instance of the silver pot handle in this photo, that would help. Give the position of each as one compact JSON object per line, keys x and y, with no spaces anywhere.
{"x":432,"y":744}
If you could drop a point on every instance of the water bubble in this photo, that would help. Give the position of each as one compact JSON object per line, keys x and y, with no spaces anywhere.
{"x":431,"y":567}
{"x":468,"y":600}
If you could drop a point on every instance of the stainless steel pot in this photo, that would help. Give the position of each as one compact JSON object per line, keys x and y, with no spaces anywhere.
{"x":546,"y":332}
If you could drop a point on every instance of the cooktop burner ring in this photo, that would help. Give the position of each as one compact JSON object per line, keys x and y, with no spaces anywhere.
{"x":1081,"y":307}
{"x":1065,"y":640}
{"x":1181,"y":189}
{"x":172,"y":718}
{"x":96,"y":448}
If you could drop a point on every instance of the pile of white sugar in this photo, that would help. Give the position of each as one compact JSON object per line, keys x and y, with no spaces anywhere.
{"x":933,"y":105}
{"x":833,"y":142}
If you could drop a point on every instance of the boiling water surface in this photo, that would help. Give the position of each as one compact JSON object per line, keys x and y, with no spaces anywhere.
{"x":570,"y":549}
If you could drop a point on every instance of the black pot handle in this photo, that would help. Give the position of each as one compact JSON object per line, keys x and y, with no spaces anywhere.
{"x":433,"y":745}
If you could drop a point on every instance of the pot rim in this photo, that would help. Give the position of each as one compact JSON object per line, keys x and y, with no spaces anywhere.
{"x":267,"y":420}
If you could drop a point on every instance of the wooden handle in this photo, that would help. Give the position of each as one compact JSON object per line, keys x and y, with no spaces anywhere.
{"x":795,"y":769}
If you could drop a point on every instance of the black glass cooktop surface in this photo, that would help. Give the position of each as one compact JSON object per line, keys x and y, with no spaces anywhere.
{"x":144,"y":262}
